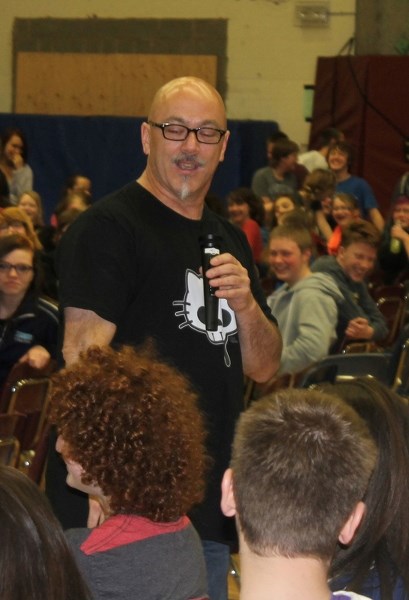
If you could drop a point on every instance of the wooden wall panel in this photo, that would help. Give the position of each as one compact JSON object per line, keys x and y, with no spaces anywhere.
{"x":100,"y":84}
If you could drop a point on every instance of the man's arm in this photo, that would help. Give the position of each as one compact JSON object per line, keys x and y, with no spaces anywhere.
{"x":260,"y":340}
{"x":84,"y":328}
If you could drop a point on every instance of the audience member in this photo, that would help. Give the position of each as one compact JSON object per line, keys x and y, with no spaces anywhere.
{"x":72,"y":200}
{"x":13,"y":162}
{"x":35,"y":560}
{"x":130,"y":268}
{"x":344,"y":211}
{"x":278,"y":178}
{"x":340,"y":160}
{"x":78,"y":183}
{"x":393,"y":255}
{"x":306,"y":305}
{"x":317,"y":194}
{"x":358,"y":318}
{"x":300,"y":171}
{"x":377,"y":563}
{"x":29,"y":323}
{"x":300,"y":467}
{"x":247,"y":212}
{"x":77,"y":193}
{"x":15,"y":220}
{"x":317,"y":159}
{"x":30,"y":203}
{"x":132,"y":436}
{"x":283,"y":204}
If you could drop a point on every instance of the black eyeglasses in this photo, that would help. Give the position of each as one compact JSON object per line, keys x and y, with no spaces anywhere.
{"x":5,"y":267}
{"x":178,"y":133}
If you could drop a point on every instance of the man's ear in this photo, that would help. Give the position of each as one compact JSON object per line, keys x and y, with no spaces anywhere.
{"x":349,"y":529}
{"x":227,"y":503}
{"x":146,"y":137}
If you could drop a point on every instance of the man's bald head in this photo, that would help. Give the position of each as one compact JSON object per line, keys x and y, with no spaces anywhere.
{"x":191,"y":86}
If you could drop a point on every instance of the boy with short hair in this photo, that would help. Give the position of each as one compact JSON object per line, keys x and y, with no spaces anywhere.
{"x":306,"y":305}
{"x":300,"y":466}
{"x":359,"y":318}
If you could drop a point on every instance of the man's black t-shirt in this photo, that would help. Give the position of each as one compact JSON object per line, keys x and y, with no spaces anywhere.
{"x":135,"y":262}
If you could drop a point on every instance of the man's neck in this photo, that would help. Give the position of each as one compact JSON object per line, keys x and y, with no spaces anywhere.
{"x":280,"y":578}
{"x":190,"y":207}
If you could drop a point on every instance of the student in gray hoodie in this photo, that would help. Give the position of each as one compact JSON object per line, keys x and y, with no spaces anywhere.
{"x":359,"y":317}
{"x":306,"y":305}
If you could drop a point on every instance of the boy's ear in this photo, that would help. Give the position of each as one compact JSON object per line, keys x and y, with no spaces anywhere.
{"x":349,"y":529}
{"x":228,"y":504}
{"x":341,"y":252}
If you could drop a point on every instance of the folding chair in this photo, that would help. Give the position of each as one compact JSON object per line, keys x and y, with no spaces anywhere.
{"x":30,"y":398}
{"x":338,"y":367}
{"x":9,"y":444}
{"x":393,"y":310}
{"x":19,"y":372}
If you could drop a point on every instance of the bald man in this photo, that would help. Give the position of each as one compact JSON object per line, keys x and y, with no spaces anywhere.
{"x":130,"y":269}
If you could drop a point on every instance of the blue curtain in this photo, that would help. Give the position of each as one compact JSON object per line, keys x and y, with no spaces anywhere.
{"x":108,"y":150}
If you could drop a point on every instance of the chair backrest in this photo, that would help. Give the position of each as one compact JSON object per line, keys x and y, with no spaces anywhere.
{"x":401,"y":380}
{"x":396,"y":290}
{"x":9,"y":444}
{"x":393,"y":310}
{"x":19,"y":372}
{"x":30,"y":398}
{"x":9,"y":451}
{"x":347,"y":366}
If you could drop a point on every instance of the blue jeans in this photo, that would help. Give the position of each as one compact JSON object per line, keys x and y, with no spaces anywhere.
{"x":217,"y":558}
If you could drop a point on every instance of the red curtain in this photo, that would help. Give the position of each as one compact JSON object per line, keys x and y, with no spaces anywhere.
{"x":367,"y":97}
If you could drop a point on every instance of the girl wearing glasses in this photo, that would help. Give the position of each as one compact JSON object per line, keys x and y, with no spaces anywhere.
{"x":28,"y":323}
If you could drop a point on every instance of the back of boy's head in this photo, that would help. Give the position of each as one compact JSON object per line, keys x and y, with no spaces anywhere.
{"x":301,"y":461}
{"x":296,"y":232}
{"x":360,"y":232}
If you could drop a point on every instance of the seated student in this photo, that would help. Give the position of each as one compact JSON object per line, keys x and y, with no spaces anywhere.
{"x":393,"y":254}
{"x":300,"y":466}
{"x":306,"y":305}
{"x":31,"y":204}
{"x":317,"y":193}
{"x":35,"y":560}
{"x":359,"y":318}
{"x":246,"y":210}
{"x":278,"y":178}
{"x":15,"y":220}
{"x":132,"y":436}
{"x":317,"y":159}
{"x":13,"y":162}
{"x":344,"y":211}
{"x":283,"y":204}
{"x":377,"y":563}
{"x":28,"y":323}
{"x":340,"y":158}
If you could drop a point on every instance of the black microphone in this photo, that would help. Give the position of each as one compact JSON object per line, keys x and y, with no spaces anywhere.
{"x":210,"y":246}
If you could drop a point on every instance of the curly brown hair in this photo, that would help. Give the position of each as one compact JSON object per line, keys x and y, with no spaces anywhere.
{"x":132,"y":423}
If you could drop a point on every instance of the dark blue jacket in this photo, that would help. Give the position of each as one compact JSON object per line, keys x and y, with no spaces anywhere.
{"x":35,"y":323}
